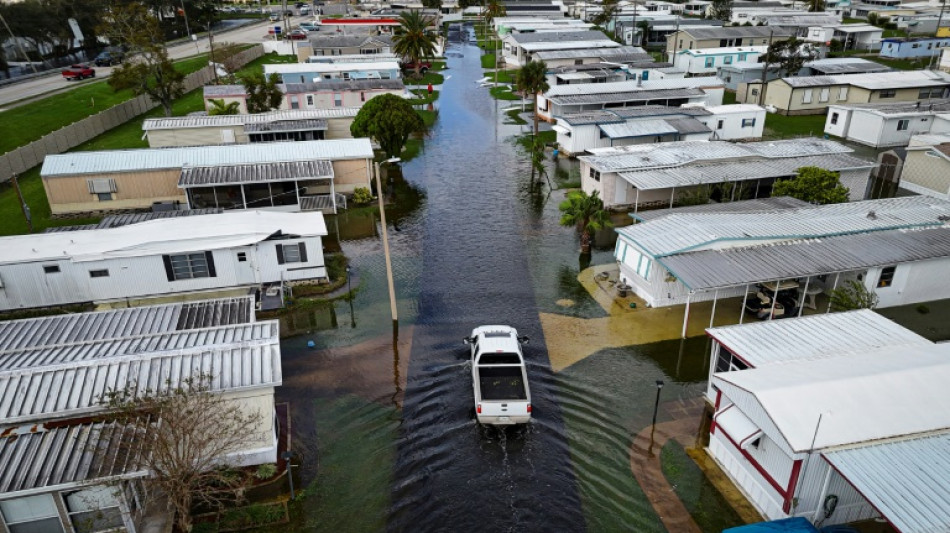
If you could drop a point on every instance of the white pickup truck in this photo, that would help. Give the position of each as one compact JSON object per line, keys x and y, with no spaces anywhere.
{"x":499,"y":376}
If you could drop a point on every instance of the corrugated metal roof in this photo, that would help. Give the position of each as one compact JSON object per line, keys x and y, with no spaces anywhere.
{"x":730,"y":171}
{"x":30,"y":333}
{"x":616,"y":115}
{"x":304,"y":68}
{"x":737,"y":31}
{"x":907,"y":480}
{"x":163,"y":236}
{"x":846,"y":391}
{"x":759,"y":205}
{"x":678,"y":233}
{"x":67,"y":455}
{"x":629,"y":96}
{"x":687,"y":125}
{"x":733,"y":267}
{"x":124,"y":219}
{"x":798,"y":19}
{"x":314,"y":124}
{"x":77,"y":387}
{"x":639,"y":157}
{"x":218,"y":121}
{"x":576,"y":89}
{"x":638,"y":128}
{"x":558,"y":36}
{"x":903,"y":79}
{"x":225,"y":175}
{"x":845,"y":65}
{"x":726,"y":50}
{"x":813,"y":337}
{"x":342,"y":86}
{"x":565,"y":45}
{"x":919,"y":107}
{"x":348,"y":41}
{"x":140,"y":160}
{"x":216,"y":91}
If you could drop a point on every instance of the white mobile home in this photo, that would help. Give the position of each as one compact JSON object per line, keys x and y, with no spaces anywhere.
{"x":583,"y":56}
{"x":316,"y":72}
{"x":651,"y":176}
{"x":888,"y":125}
{"x":236,"y":250}
{"x":706,"y":61}
{"x":926,"y":168}
{"x":577,"y":133}
{"x":898,"y":248}
{"x":520,"y":48}
{"x":832,"y":439}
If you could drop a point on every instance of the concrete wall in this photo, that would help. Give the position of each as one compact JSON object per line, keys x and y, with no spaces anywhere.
{"x":26,"y":157}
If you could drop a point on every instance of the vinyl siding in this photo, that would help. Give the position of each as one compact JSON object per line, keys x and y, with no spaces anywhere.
{"x":927,"y":173}
{"x":70,"y":194}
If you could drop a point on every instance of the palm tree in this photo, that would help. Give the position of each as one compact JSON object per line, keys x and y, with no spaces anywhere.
{"x":532,"y":79}
{"x":218,"y":107}
{"x":493,"y":9}
{"x":587,"y":212}
{"x":413,"y":40}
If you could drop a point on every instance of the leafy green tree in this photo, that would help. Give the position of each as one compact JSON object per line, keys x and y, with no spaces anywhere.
{"x":813,"y":185}
{"x":789,"y":56}
{"x":432,"y":4}
{"x":493,"y":9}
{"x":389,"y":120}
{"x":815,"y":6}
{"x":851,"y":296}
{"x":414,"y":41}
{"x":532,"y":79}
{"x":218,"y":107}
{"x":537,"y":159}
{"x":262,"y":94}
{"x":152,"y":73}
{"x":721,"y":10}
{"x":608,"y":9}
{"x":587,"y":213}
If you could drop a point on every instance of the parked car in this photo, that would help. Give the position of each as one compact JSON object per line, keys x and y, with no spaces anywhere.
{"x":108,"y":58}
{"x":297,"y":35}
{"x":424,"y":66}
{"x":499,"y":376}
{"x":274,"y":17}
{"x":305,"y":10}
{"x":78,"y":72}
{"x":309,"y":26}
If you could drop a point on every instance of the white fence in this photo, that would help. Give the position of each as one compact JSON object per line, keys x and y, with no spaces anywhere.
{"x":28,"y":156}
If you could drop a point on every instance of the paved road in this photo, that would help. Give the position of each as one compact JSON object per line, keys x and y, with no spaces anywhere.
{"x":54,"y":82}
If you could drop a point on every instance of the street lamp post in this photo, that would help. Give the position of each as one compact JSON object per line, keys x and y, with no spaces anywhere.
{"x":349,"y":289}
{"x":656,"y":406}
{"x":389,"y":263}
{"x":287,"y":455}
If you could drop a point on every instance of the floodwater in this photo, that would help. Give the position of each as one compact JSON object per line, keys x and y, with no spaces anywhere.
{"x":383,"y":422}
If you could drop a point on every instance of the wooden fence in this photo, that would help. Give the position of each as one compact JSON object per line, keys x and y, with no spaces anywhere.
{"x":28,"y":156}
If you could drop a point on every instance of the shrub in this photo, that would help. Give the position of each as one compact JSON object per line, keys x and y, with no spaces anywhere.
{"x":362,"y":196}
{"x":266,"y":471}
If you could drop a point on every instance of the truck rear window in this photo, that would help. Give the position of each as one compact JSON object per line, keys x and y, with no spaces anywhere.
{"x":499,"y":359}
{"x":501,"y":383}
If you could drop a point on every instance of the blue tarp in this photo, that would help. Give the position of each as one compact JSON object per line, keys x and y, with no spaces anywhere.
{"x":786,"y":525}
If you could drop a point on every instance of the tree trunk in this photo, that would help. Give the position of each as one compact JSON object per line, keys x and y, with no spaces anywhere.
{"x":535,"y":115}
{"x":585,"y":242}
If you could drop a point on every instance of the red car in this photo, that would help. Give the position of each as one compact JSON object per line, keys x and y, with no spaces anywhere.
{"x":79,"y":72}
{"x":297,"y":35}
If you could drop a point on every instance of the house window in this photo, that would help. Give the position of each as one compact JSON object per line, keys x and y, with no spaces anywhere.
{"x":727,"y":60}
{"x":930,"y":92}
{"x":102,"y":188}
{"x":362,"y":96}
{"x":887,"y":277}
{"x":710,"y":61}
{"x":755,"y":92}
{"x":51,"y":269}
{"x":578,"y":61}
{"x":291,"y":253}
{"x":309,"y":100}
{"x":294,"y":102}
{"x":595,"y":174}
{"x":104,"y":273}
{"x":338,"y":99}
{"x":843,"y":93}
{"x":242,"y":257}
{"x":902,"y":125}
{"x":720,"y":124}
{"x":104,"y":196}
{"x":189,"y":266}
{"x":728,"y":362}
{"x":31,"y":514}
{"x":834,"y":118}
{"x":823,"y":94}
{"x":888,"y":93}
{"x":94,"y":509}
{"x":806,"y":96}
{"x":748,"y":123}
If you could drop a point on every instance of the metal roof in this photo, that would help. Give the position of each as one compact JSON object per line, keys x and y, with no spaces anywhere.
{"x":348,"y":41}
{"x":736,"y":31}
{"x":711,"y":269}
{"x":639,"y":157}
{"x":214,"y":91}
{"x":339,"y":85}
{"x":646,"y":95}
{"x":725,"y":50}
{"x":919,"y":107}
{"x":163,"y":236}
{"x":729,"y":171}
{"x":229,"y":175}
{"x":687,"y":125}
{"x":219,"y":121}
{"x":306,"y":68}
{"x":30,"y":333}
{"x":678,"y":233}
{"x":845,"y":65}
{"x":124,"y":219}
{"x":288,"y":125}
{"x":566,"y":45}
{"x":772,"y":205}
{"x":798,"y":19}
{"x":558,"y":36}
{"x":148,"y":159}
{"x":633,"y":85}
{"x":846,"y":392}
{"x":66,"y":456}
{"x":907,"y":481}
{"x":76,"y":387}
{"x":813,"y":337}
{"x":602,"y":53}
{"x":616,"y":115}
{"x":904,"y":79}
{"x":638,"y":128}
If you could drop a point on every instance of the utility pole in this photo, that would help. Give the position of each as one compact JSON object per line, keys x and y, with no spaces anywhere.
{"x":389,"y":263}
{"x":23,"y":206}
{"x":943,"y":5}
{"x":19,"y":44}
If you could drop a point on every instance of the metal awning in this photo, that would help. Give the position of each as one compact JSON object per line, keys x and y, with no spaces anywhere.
{"x":638,"y":128}
{"x":908,"y":480}
{"x":264,"y":173}
{"x":561,"y":129}
{"x":738,"y":426}
{"x":286,"y":125}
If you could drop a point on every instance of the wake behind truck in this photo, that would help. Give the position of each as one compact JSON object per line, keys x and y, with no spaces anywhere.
{"x":499,"y":376}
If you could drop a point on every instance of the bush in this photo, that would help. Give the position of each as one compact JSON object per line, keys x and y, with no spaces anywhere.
{"x":252,"y":516}
{"x":362,"y":196}
{"x":266,"y":471}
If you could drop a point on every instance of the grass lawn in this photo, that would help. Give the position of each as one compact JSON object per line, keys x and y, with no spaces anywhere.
{"x":424,"y":97}
{"x":488,"y":60}
{"x":504,"y":76}
{"x":901,"y":64}
{"x":29,"y":122}
{"x":705,"y":504}
{"x":728,"y":97}
{"x":514,"y":116}
{"x":428,"y":117}
{"x":503,"y":93}
{"x":784,"y":127}
{"x":430,"y":77}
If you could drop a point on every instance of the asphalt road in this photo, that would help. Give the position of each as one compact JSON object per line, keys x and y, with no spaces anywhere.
{"x":54,"y":82}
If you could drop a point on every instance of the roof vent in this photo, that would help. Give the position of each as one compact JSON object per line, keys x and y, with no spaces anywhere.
{"x":872,"y":215}
{"x":944,"y":218}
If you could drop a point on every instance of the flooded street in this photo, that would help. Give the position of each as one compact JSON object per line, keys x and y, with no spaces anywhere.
{"x":383,"y":424}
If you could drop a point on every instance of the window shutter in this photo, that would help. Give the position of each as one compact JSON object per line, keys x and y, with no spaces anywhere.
{"x":101,"y":185}
{"x":280,"y":254}
{"x":209,"y":257}
{"x":169,"y":273}
{"x":303,"y":252}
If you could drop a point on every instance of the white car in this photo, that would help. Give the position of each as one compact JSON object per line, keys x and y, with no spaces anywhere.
{"x":499,"y":376}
